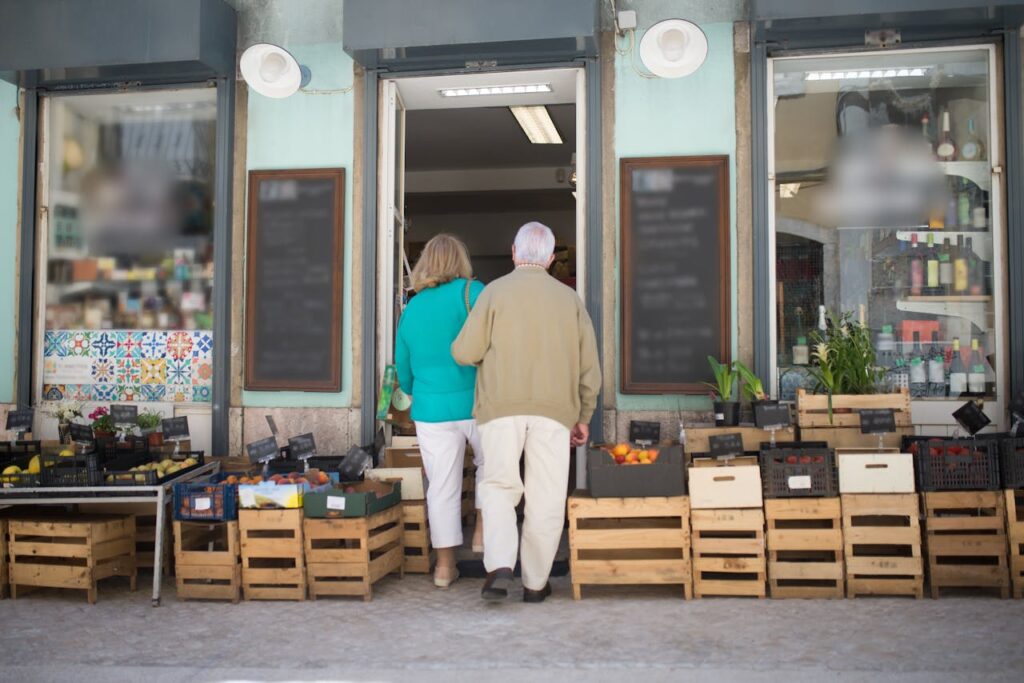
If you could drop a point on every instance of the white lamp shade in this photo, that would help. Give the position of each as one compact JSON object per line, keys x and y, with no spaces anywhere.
{"x":270,"y":70}
{"x":673,"y":48}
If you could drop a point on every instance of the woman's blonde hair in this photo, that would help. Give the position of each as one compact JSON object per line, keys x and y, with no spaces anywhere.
{"x":444,"y":258}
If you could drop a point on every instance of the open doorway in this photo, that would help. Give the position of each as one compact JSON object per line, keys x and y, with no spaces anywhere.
{"x":478,"y":155}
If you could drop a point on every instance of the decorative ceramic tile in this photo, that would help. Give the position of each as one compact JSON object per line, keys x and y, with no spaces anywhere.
{"x":129,"y":344}
{"x":202,"y":372}
{"x":154,"y":344}
{"x":55,"y":343}
{"x":104,"y":344}
{"x":128,"y":392}
{"x":104,"y":370}
{"x":202,"y":344}
{"x":104,"y":392}
{"x":53,"y":392}
{"x":179,"y":371}
{"x":128,"y":370}
{"x":80,"y":344}
{"x":153,"y":371}
{"x":179,"y":345}
{"x":202,"y":394}
{"x":178,"y":393}
{"x":78,"y":392}
{"x":153,"y":392}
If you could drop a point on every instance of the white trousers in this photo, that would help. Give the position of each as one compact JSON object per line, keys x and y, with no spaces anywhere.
{"x":546,"y":446}
{"x":443,"y":447}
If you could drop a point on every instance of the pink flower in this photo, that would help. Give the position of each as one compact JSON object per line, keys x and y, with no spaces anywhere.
{"x":98,"y":413}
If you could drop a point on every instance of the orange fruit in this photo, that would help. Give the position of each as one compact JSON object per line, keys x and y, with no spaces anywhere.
{"x":620,"y":449}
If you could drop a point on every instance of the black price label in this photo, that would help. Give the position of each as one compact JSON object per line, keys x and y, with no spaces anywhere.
{"x":725,"y":444}
{"x":80,"y":432}
{"x":20,"y":420}
{"x":971,"y":418}
{"x":124,"y":414}
{"x":877,"y":420}
{"x":264,"y":449}
{"x":647,"y":432}
{"x":302,"y":446}
{"x":175,"y":427}
{"x":772,"y":415}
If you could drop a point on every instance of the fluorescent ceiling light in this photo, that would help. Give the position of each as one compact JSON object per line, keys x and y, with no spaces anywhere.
{"x":864,"y":74}
{"x":537,"y":124}
{"x":527,"y":89}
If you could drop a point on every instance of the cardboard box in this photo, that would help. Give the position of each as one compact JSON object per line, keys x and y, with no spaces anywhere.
{"x":866,"y":472}
{"x":368,"y":497}
{"x":412,"y":480}
{"x":725,"y":487}
{"x":664,"y":477}
{"x":907,"y":328}
{"x":270,"y":495}
{"x":405,"y":441}
{"x":402,"y":457}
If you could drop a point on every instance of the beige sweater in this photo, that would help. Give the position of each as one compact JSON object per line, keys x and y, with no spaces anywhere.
{"x":534,"y":346}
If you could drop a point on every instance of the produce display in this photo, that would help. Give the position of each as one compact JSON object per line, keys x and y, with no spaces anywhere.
{"x":625,"y":454}
{"x":279,"y":490}
{"x":163,"y":468}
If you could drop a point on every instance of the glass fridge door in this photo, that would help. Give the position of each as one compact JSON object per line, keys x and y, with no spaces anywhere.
{"x":887,"y":205}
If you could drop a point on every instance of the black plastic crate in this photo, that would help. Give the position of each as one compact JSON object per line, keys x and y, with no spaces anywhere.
{"x":1011,"y":456}
{"x":20,"y":479}
{"x":799,"y":473}
{"x":954,"y":464}
{"x":81,"y":469}
{"x":119,"y":473}
{"x":114,"y":449}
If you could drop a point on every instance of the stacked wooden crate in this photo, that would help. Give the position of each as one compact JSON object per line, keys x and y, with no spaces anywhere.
{"x":882,"y":544}
{"x":805,"y":547}
{"x":145,"y":531}
{"x":635,"y":541}
{"x":3,"y":558}
{"x":346,"y":556}
{"x":207,"y":559}
{"x":273,"y":565}
{"x":966,"y":542}
{"x":841,"y":429}
{"x":1015,"y":535}
{"x":419,"y":554}
{"x":71,"y":552}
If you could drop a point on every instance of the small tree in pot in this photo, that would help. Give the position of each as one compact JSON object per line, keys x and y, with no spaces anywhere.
{"x":149,"y":425}
{"x":727,"y":409}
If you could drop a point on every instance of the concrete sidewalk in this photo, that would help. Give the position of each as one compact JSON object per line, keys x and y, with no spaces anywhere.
{"x":411,"y":631}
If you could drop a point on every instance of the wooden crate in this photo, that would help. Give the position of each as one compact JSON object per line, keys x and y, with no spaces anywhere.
{"x":1015,"y":535}
{"x":273,"y":566}
{"x":468,"y":490}
{"x":3,"y":559}
{"x":965,"y":538}
{"x":348,"y":556}
{"x":882,"y":544}
{"x":844,"y":429}
{"x":728,"y":552}
{"x":207,"y":558}
{"x":697,"y":438}
{"x":419,"y":554}
{"x":805,"y":547}
{"x":629,"y":541}
{"x":70,"y":552}
{"x":145,"y":530}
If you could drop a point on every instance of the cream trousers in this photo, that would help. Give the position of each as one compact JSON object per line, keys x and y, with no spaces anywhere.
{"x":546,"y":446}
{"x":443,"y":447}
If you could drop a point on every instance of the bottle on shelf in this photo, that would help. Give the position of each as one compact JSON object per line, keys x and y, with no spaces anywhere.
{"x":963,"y":205}
{"x":916,"y":267}
{"x":946,"y":267}
{"x":945,"y":149}
{"x":975,"y":270}
{"x":822,"y":324}
{"x":976,"y":372}
{"x":961,"y":275}
{"x":926,"y":132}
{"x":936,"y":369}
{"x":979,"y":220}
{"x":972,"y":149}
{"x":917,"y":371}
{"x":951,"y":211}
{"x":900,"y":375}
{"x":801,"y":352}
{"x":957,"y":383}
{"x":932,"y":266}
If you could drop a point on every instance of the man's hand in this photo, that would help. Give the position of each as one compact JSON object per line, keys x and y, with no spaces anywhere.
{"x":579,"y":434}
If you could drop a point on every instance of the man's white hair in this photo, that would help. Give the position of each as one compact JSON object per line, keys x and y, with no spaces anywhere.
{"x":535,"y":243}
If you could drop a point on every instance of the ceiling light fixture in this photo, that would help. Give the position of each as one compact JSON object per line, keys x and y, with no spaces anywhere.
{"x":537,"y":124}
{"x":527,"y":89}
{"x":864,"y":74}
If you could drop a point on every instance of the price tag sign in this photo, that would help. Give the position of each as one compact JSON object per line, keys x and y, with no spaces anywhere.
{"x":644,"y":432}
{"x":877,"y":420}
{"x":20,"y":420}
{"x":124,"y":414}
{"x":971,"y":418}
{"x":264,"y":449}
{"x":302,"y":446}
{"x":799,"y":482}
{"x":335,"y":502}
{"x":725,"y":444}
{"x":772,"y":415}
{"x":80,"y":432}
{"x":175,"y":428}
{"x":203,"y":504}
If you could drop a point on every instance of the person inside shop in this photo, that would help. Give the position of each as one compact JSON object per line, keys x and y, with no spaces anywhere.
{"x":442,"y":391}
{"x":538,"y":378}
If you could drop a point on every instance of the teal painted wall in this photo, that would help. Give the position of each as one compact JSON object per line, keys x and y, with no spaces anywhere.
{"x":310,"y":131}
{"x":678,"y":117}
{"x":9,"y":154}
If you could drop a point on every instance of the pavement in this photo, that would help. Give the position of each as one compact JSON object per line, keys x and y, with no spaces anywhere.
{"x":414,"y":632}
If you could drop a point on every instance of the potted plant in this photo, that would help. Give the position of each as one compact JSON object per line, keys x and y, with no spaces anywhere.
{"x":102,"y":423}
{"x":727,"y":409}
{"x":843,"y":359}
{"x":149,"y":425}
{"x":64,"y":413}
{"x":752,"y":387}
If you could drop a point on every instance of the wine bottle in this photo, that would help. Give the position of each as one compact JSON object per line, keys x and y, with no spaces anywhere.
{"x":901,"y":375}
{"x":957,"y":372}
{"x":926,"y":132}
{"x":918,"y":372}
{"x":976,"y":375}
{"x":932,"y":266}
{"x":822,"y":324}
{"x":945,"y":150}
{"x":960,"y":270}
{"x":936,"y":369}
{"x":972,"y":149}
{"x":945,"y":268}
{"x":963,"y":205}
{"x":916,"y":267}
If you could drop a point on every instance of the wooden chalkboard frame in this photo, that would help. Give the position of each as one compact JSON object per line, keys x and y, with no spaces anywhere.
{"x":720,"y":163}
{"x":333,"y":383}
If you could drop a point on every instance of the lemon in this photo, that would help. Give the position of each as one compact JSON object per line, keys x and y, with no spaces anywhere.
{"x":33,"y":465}
{"x":67,"y":453}
{"x":12,"y":469}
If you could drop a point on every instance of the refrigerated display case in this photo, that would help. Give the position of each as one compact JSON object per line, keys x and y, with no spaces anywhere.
{"x":886,"y":202}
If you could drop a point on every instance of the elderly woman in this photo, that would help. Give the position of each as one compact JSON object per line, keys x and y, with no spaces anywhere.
{"x":442,"y":390}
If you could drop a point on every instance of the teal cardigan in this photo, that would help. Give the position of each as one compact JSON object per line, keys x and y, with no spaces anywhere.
{"x":442,"y":390}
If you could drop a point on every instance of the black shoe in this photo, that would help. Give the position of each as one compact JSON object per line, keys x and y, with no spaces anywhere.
{"x":496,"y":585}
{"x":536,"y":596}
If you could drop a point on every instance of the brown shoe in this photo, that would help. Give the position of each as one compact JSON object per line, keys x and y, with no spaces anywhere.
{"x":536,"y":596}
{"x":496,"y":585}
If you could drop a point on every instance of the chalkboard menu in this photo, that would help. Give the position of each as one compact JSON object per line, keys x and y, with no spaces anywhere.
{"x":675,"y":273}
{"x":293,"y":297}
{"x":877,"y":420}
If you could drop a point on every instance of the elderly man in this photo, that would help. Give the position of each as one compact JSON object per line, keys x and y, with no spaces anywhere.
{"x":537,"y":384}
